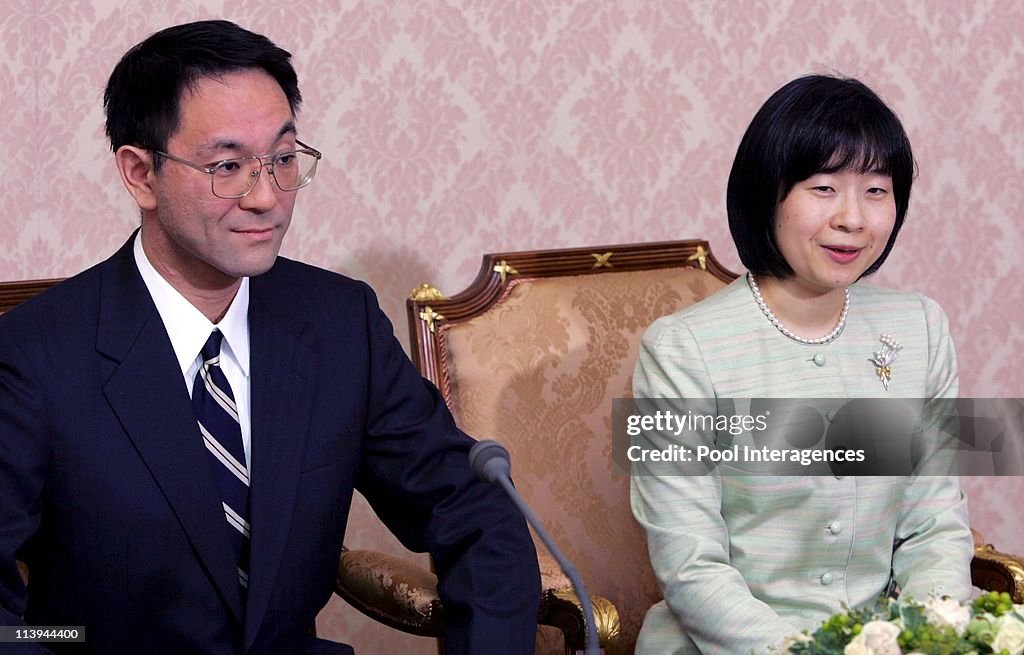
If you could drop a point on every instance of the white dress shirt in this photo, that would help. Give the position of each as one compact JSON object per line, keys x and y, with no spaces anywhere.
{"x":189,"y":329}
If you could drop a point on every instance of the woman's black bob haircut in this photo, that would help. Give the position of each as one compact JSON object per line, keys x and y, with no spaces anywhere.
{"x":814,"y":124}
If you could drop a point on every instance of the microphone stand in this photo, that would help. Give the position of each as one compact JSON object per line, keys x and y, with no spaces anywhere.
{"x":490,"y":461}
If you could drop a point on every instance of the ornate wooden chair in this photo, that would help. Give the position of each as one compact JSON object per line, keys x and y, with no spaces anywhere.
{"x":532,"y":355}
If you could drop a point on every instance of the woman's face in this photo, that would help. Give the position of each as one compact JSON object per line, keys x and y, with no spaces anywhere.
{"x":832,"y":226}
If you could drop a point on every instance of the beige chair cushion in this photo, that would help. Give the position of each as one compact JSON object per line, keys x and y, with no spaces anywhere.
{"x":538,"y":372}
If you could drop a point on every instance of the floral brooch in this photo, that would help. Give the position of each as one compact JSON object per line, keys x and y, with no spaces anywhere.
{"x":884,"y":358}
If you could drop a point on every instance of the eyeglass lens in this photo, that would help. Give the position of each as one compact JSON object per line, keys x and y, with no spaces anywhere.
{"x":236,"y":177}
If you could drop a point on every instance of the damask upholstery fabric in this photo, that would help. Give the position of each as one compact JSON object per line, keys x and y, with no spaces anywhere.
{"x":538,"y":372}
{"x":393,"y":583}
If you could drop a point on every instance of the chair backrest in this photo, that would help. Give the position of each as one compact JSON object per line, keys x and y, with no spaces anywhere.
{"x":15,"y":293}
{"x":532,"y":354}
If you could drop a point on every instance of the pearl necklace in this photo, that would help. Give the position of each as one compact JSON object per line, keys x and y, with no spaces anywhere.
{"x":828,"y":338}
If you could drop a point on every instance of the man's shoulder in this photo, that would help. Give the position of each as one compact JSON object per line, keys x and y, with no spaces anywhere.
{"x":67,"y":299}
{"x":289,"y":286}
{"x":285,"y":269}
{"x":298,"y":280}
{"x":297,"y":292}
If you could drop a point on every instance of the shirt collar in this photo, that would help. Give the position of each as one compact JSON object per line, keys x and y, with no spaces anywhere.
{"x":186,"y":326}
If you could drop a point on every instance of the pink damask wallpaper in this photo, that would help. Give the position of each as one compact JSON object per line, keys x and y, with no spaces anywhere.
{"x":451,"y":128}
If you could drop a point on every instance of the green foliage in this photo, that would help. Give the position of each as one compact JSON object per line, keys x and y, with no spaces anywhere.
{"x":918,"y":634}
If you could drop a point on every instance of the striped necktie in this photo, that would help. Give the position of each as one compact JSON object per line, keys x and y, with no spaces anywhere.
{"x":214,"y":407}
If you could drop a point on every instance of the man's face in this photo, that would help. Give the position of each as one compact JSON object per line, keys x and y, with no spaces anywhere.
{"x":195,"y":238}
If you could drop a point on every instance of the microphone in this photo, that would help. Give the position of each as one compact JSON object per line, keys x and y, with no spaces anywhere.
{"x":491,"y":463}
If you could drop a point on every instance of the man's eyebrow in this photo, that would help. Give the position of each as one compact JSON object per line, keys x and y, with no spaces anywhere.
{"x":287,"y":128}
{"x":219,"y":145}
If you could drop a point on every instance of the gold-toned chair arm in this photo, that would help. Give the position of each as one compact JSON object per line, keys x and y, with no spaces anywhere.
{"x":995,"y":571}
{"x":404,"y":596}
{"x":392,"y":591}
{"x":561,"y":608}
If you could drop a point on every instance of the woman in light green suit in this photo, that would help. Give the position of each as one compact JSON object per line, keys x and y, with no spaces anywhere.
{"x":817,"y":194}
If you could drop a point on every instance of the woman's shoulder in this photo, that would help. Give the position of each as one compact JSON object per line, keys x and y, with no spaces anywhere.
{"x":727,"y":309}
{"x":896,"y":305}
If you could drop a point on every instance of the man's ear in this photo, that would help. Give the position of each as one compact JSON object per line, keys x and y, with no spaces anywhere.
{"x":136,"y":168}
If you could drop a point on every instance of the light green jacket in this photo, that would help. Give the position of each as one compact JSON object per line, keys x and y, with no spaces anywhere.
{"x":744,"y":561}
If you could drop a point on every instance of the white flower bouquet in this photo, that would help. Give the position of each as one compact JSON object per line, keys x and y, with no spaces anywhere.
{"x":939,"y":626}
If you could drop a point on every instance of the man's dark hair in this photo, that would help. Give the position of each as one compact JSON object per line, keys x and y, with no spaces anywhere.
{"x":143,"y":96}
{"x":814,"y":124}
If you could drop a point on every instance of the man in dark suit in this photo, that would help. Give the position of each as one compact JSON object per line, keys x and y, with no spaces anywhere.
{"x":182,"y":426}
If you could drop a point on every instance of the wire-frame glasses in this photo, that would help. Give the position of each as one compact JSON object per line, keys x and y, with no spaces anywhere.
{"x":235,"y":178}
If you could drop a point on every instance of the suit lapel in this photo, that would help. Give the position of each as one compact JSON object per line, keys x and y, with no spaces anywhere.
{"x":148,"y":395}
{"x":282,"y":372}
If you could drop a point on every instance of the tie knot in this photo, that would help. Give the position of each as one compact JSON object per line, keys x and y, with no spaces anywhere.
{"x":211,"y":349}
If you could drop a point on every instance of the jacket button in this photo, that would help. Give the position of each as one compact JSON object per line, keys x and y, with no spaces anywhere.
{"x":835,"y":527}
{"x":826,"y":579}
{"x":819,"y":359}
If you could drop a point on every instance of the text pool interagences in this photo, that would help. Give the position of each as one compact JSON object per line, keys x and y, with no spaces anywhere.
{"x":742,"y":454}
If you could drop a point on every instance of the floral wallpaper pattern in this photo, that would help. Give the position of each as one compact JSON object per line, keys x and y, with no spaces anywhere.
{"x":451,"y":128}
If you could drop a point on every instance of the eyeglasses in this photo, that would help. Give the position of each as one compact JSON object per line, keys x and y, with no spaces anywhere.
{"x":235,"y":178}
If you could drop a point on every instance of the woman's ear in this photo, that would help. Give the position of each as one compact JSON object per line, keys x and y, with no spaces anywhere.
{"x":138,"y":175}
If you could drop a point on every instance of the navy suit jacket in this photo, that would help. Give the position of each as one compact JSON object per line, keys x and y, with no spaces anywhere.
{"x":106,"y":490}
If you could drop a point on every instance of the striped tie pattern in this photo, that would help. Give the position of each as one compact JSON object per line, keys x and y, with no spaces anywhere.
{"x":214,"y":407}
